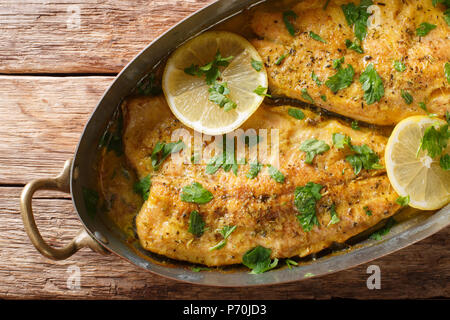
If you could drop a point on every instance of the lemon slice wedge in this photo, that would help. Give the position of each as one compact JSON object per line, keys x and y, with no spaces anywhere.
{"x":415,"y":173}
{"x":188,"y":95}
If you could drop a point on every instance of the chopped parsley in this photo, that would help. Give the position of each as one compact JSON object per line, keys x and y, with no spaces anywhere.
{"x":403,"y":201}
{"x":196,"y":224}
{"x":262,"y":91}
{"x":276,"y":174}
{"x":296,"y":113}
{"x":316,"y":37}
{"x":399,"y":66}
{"x":367,"y":211}
{"x":225,"y":160}
{"x":305,"y":199}
{"x":447,"y":71}
{"x":281,"y":59}
{"x":142,"y":187}
{"x":341,"y":80}
{"x":306,"y":96}
{"x":91,"y":199}
{"x":287,"y":15}
{"x":337,"y":63}
{"x":226,"y":231}
{"x":355,"y":46}
{"x":357,"y":16}
{"x":198,"y":269}
{"x":341,"y":140}
{"x":258,"y":259}
{"x":218,"y":94}
{"x":371,"y":84}
{"x":290,"y":263}
{"x":355,"y":125}
{"x":435,"y":141}
{"x":444,"y":162}
{"x":195,"y":193}
{"x":423,"y":106}
{"x":313,"y":147}
{"x":257,"y":65}
{"x":316,"y":79}
{"x":323,"y":97}
{"x":383,"y":231}
{"x":334,"y":216}
{"x":255,"y":168}
{"x":162,"y":150}
{"x":406,"y":96}
{"x":424,"y":29}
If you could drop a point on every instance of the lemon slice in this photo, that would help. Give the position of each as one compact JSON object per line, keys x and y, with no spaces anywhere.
{"x":416,"y":174}
{"x":188,"y":96}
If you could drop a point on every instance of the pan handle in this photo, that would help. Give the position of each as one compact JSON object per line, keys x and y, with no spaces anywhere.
{"x":81,"y":240}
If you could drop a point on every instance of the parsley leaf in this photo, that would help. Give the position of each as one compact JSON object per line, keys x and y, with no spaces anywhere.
{"x":316,"y":37}
{"x":195,"y":193}
{"x":337,"y":63}
{"x":367,"y":211}
{"x":323,"y":97}
{"x":276,"y":174}
{"x":399,"y":66}
{"x":257,"y":65}
{"x":423,"y":106}
{"x":313,"y":147}
{"x":142,"y":187}
{"x":355,"y":46}
{"x":262,"y":91}
{"x":316,"y":79}
{"x":198,"y":269}
{"x":403,"y":201}
{"x":281,"y":59}
{"x":447,"y":71}
{"x":255,"y":168}
{"x":226,"y":231}
{"x":406,"y":96}
{"x":196,"y":224}
{"x":290,"y":263}
{"x":258,"y":259}
{"x":286,"y":15}
{"x":162,"y":150}
{"x":306,"y":96}
{"x":355,"y":125}
{"x":383,"y":231}
{"x":434,"y":141}
{"x":341,"y":80}
{"x":444,"y":162}
{"x":424,"y":29}
{"x":372,"y":85}
{"x":218,"y":94}
{"x":91,"y":199}
{"x":305,"y":199}
{"x":340,"y":140}
{"x":357,"y":16}
{"x":334,"y":216}
{"x":296,"y":113}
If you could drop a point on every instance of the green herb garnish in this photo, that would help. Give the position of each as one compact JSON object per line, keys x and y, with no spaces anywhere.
{"x":218,"y":94}
{"x":399,"y":66}
{"x":340,"y":140}
{"x":142,"y":187}
{"x":367,"y":211}
{"x":255,"y":168}
{"x":281,"y":59}
{"x":355,"y":125}
{"x":334,"y":216}
{"x":424,"y":29}
{"x":406,"y":96}
{"x":276,"y":174}
{"x":423,"y":106}
{"x":383,"y":231}
{"x":355,"y":46}
{"x":316,"y":79}
{"x":296,"y":113}
{"x":306,"y":96}
{"x":257,"y":65}
{"x":403,"y":201}
{"x":357,"y":16}
{"x":341,"y":80}
{"x":434,"y":141}
{"x":162,"y":150}
{"x":286,"y":16}
{"x":290,"y":263}
{"x":262,"y":91}
{"x":196,"y":224}
{"x":305,"y":199}
{"x":313,"y":147}
{"x":316,"y":37}
{"x":198,"y":269}
{"x":447,"y":71}
{"x":195,"y":193}
{"x":372,"y":85}
{"x":337,"y":63}
{"x":226,"y":231}
{"x":444,"y":162}
{"x":258,"y":259}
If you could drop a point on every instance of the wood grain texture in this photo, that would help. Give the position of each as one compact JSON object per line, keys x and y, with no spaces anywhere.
{"x":44,"y":37}
{"x":419,"y":271}
{"x":41,"y":120}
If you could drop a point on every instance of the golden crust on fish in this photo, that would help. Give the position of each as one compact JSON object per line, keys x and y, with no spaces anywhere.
{"x":394,"y":39}
{"x":262,"y":209}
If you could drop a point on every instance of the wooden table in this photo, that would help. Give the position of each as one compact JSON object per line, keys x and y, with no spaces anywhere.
{"x":52,"y":73}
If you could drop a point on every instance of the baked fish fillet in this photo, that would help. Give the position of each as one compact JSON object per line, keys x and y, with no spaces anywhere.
{"x":262,"y":209}
{"x":394,"y":39}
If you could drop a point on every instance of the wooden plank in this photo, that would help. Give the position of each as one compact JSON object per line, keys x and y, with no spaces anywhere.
{"x":41,"y":119}
{"x":419,"y":271}
{"x":48,"y":36}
